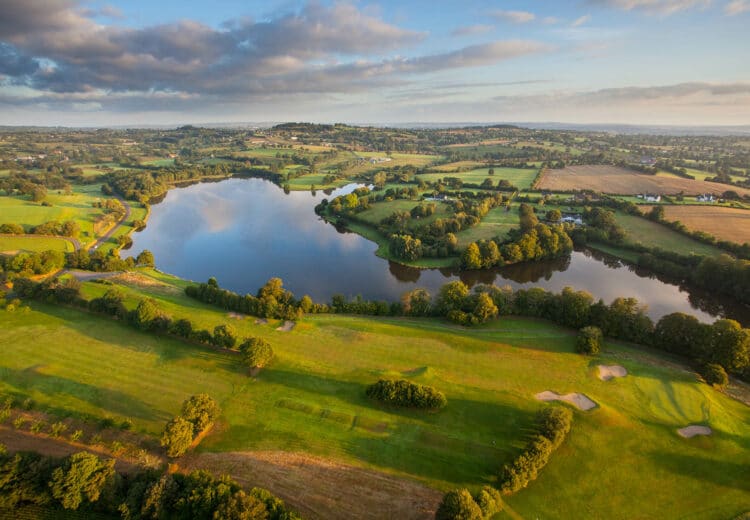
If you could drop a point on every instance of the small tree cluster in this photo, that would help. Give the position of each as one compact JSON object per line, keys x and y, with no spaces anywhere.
{"x":405,"y":393}
{"x":459,"y":504}
{"x":553,"y":424}
{"x":197,"y":413}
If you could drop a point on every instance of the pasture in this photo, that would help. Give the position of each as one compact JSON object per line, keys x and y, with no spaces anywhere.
{"x":622,"y":181}
{"x":521,"y":178}
{"x":652,"y":234}
{"x":77,"y":206}
{"x":311,"y":400}
{"x":32,"y":243}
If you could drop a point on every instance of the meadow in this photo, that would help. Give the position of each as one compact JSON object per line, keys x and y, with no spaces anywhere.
{"x":311,"y":400}
{"x":521,"y":178}
{"x":36,"y":244}
{"x":652,"y":234}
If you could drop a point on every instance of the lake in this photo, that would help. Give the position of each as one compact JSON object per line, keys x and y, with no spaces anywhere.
{"x":245,"y":231}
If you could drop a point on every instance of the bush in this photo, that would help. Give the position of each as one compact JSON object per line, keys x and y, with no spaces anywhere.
{"x":225,"y":336}
{"x":257,"y":352}
{"x":554,"y":424}
{"x":458,"y":505}
{"x":589,"y":340}
{"x":715,"y":375}
{"x":406,"y":393}
{"x":489,"y":501}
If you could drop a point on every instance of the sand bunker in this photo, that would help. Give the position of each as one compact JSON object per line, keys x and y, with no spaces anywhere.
{"x":287,"y":326}
{"x":261,"y":321}
{"x":580,"y":401}
{"x":693,"y":430}
{"x":607,"y":372}
{"x":235,"y":316}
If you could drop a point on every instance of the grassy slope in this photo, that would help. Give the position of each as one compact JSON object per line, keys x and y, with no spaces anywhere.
{"x":651,"y":234}
{"x":311,"y":400}
{"x":497,"y":222}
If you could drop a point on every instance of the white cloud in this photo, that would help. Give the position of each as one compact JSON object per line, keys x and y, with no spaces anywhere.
{"x":513,"y":16}
{"x":736,"y":7}
{"x":471,"y":30}
{"x":580,"y":21}
{"x":660,"y":7}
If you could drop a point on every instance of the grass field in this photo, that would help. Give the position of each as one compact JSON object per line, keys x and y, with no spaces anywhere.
{"x":37,"y":244}
{"x":312,"y":400}
{"x":78,"y":207}
{"x":380,"y":210}
{"x":496,"y":223}
{"x":621,"y":181}
{"x":651,"y":234}
{"x":314,"y":179}
{"x":724,"y":223}
{"x":460,"y":165}
{"x":521,"y":178}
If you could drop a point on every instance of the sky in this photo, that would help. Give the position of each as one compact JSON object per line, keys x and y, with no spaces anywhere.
{"x":153,"y":62}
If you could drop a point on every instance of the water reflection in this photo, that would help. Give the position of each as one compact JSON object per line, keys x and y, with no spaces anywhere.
{"x":244,"y":231}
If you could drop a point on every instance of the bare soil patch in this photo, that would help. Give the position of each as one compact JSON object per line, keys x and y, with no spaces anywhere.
{"x":145,"y":282}
{"x":261,"y":321}
{"x":578,"y":400}
{"x":731,"y":224}
{"x":622,"y":181}
{"x":693,"y":430}
{"x":235,"y":316}
{"x":287,"y":326}
{"x":320,"y":488}
{"x":607,"y":372}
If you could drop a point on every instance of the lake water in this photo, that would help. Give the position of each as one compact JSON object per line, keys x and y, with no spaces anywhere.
{"x":245,"y":231}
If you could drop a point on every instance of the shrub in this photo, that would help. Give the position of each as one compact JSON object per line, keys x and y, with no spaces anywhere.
{"x":715,"y":375}
{"x":58,"y":429}
{"x":589,"y":340}
{"x":458,"y":505}
{"x":257,"y":352}
{"x":225,"y":336}
{"x":554,"y":424}
{"x":406,"y":393}
{"x":489,"y":501}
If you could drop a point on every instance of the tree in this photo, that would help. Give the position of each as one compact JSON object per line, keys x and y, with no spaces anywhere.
{"x":257,"y":352}
{"x":491,"y":171}
{"x":553,"y":215}
{"x":471,"y":257}
{"x":82,"y":477}
{"x":145,"y":314}
{"x":656,"y":214}
{"x":714,"y":375}
{"x":177,"y":437}
{"x":145,"y":258}
{"x":241,"y":506}
{"x":730,"y":345}
{"x":489,"y":501}
{"x":225,"y":336}
{"x":452,"y":296}
{"x":416,"y":302}
{"x":458,"y":505}
{"x":201,"y":410}
{"x":485,"y":308}
{"x":589,"y":340}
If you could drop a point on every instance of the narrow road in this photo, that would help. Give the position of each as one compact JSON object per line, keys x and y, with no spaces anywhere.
{"x":106,"y":236}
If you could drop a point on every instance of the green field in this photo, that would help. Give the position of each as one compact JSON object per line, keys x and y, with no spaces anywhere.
{"x":78,"y":206}
{"x":496,"y":223}
{"x":37,"y":244}
{"x":314,"y":179}
{"x":312,"y":399}
{"x":521,"y":178}
{"x":652,"y":234}
{"x":380,"y":210}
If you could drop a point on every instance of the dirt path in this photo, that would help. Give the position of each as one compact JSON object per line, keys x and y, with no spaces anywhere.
{"x":17,"y":440}
{"x":320,"y":488}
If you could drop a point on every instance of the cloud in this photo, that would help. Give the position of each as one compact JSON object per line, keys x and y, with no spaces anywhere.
{"x":470,"y":30}
{"x":550,"y":20}
{"x":660,"y":7}
{"x":513,"y":16}
{"x":580,"y":21}
{"x":736,"y":7}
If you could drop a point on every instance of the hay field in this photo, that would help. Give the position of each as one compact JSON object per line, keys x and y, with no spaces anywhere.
{"x":731,"y":224}
{"x":621,"y":181}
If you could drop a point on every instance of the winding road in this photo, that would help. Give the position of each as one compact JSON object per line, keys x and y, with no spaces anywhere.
{"x":106,"y":236}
